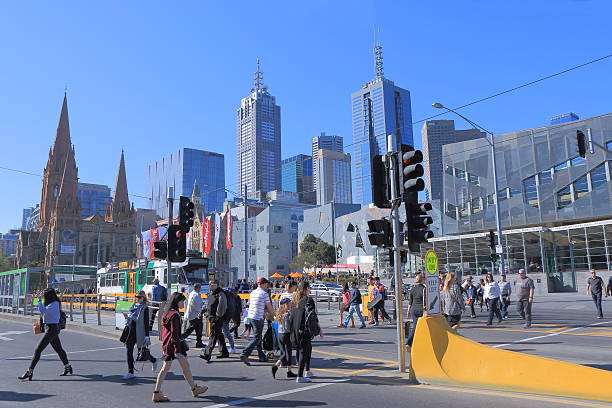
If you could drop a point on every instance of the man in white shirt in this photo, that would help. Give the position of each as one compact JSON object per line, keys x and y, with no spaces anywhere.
{"x":259,"y":303}
{"x":193,"y":315}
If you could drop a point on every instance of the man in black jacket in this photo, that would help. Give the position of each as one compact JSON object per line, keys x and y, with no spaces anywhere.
{"x":217,"y":306}
{"x":354,"y":306}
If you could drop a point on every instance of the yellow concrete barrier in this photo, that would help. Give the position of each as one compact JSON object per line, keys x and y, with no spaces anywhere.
{"x":440,"y":356}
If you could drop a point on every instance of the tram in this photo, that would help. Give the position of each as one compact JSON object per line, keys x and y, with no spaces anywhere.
{"x":114,"y":280}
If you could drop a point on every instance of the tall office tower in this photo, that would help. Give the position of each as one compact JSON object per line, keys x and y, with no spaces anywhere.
{"x":435,"y":134}
{"x":94,"y":199}
{"x":334,"y":181}
{"x":258,"y":141}
{"x":296,"y":174}
{"x":379,"y":108}
{"x":181,"y":170}
{"x":327,"y":142}
{"x":25,"y":216}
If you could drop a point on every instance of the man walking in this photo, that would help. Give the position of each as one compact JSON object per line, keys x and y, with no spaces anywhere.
{"x":597,"y":288}
{"x":380,"y":290}
{"x":193,"y":315}
{"x":217,"y":306}
{"x":259,"y":302}
{"x":506,"y":291}
{"x":158,"y":294}
{"x":524,"y":294}
{"x":354,"y":306}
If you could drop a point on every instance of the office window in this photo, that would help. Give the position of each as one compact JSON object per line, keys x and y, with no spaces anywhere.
{"x":449,"y":170}
{"x":545,"y":177}
{"x":578,"y":161}
{"x":609,"y":145}
{"x":560,"y":166}
{"x":581,"y":187}
{"x":598,"y":177}
{"x":451,"y":211}
{"x":476,"y":205}
{"x":531,"y":191}
{"x":460,"y":174}
{"x":463,"y":210}
{"x":564,"y":197}
{"x":278,"y":229}
{"x":502,"y":195}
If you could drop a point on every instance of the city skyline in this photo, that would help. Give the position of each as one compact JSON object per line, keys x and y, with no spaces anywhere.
{"x":121,"y":107}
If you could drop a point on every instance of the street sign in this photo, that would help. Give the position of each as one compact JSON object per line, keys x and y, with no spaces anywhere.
{"x":431,"y":262}
{"x":499,"y":249}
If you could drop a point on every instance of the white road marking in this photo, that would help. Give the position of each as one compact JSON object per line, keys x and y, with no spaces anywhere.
{"x":68,"y":352}
{"x":276,"y":394}
{"x":551,"y":334}
{"x":2,"y":335}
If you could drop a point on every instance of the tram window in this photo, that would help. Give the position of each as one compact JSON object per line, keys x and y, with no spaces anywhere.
{"x":120,"y":279}
{"x":142,"y":276}
{"x":150,"y":276}
{"x":102,"y":280}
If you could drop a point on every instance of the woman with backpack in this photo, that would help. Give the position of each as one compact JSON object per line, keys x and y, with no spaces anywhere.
{"x":174,"y":348}
{"x":137,"y":324}
{"x":52,"y":317}
{"x":344,"y":306}
{"x":304,"y":327}
{"x":283,"y":317}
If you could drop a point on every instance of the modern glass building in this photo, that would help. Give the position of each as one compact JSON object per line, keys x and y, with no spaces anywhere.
{"x":379,"y":108}
{"x":334,"y":177}
{"x":296,"y":174}
{"x":258,"y":141}
{"x":181,"y":170}
{"x":327,"y":142}
{"x":94,"y":199}
{"x":554,"y":205}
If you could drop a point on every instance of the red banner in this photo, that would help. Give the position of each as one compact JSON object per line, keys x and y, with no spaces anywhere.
{"x":206,"y":235}
{"x":228,"y":229}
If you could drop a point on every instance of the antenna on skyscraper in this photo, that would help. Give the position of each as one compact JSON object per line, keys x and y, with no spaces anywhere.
{"x":258,"y":79}
{"x":378,"y":55}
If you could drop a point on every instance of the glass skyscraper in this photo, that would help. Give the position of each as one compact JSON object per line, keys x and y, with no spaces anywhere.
{"x":258,"y":141}
{"x":181,"y":170}
{"x":327,"y":142}
{"x":94,"y":199}
{"x":379,"y":108}
{"x":297,"y":177}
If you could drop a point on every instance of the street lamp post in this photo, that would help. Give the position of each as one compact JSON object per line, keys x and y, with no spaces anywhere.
{"x":491,"y":142}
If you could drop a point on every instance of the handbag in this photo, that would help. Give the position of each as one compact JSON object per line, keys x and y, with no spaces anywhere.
{"x":37,"y":327}
{"x":62,"y":320}
{"x":125,"y":334}
{"x":143,"y":354}
{"x":184,"y":347}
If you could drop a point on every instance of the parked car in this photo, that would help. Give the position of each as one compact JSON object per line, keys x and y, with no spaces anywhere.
{"x":324,"y":292}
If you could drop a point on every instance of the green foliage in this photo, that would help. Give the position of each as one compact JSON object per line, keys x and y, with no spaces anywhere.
{"x":314,"y":252}
{"x":5,"y":263}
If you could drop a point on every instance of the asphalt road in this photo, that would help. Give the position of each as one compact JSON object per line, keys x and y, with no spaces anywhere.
{"x":353,"y":367}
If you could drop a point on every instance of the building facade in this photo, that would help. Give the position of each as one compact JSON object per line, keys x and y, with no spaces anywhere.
{"x":380,"y":108}
{"x":25,"y":217}
{"x":334,"y":177}
{"x":181,"y":170}
{"x":563,"y":118}
{"x":326,"y":142}
{"x":297,"y":177}
{"x":554,"y":205}
{"x":435,"y":134}
{"x":8,"y":243}
{"x":94,"y":199}
{"x":258,"y":141}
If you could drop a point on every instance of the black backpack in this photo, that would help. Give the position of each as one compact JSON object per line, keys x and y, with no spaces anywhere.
{"x":359,"y":301}
{"x":311,"y":322}
{"x":232,"y":304}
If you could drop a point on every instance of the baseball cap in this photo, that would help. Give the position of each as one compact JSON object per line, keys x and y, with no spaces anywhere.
{"x":261,"y":281}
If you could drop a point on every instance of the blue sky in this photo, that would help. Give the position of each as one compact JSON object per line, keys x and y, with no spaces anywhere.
{"x":153,"y":76}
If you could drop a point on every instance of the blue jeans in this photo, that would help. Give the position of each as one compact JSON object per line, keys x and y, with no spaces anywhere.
{"x":493,"y":309}
{"x":504,"y":305}
{"x":258,"y":326}
{"x":353,"y":309}
{"x":415,"y":318}
{"x":597,"y":300}
{"x":227,"y":334}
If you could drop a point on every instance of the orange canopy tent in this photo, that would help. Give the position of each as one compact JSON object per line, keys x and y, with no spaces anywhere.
{"x":277,"y":276}
{"x":296,"y":275}
{"x":311,"y":274}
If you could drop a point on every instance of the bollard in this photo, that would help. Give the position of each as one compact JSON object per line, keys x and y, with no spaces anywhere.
{"x":99,"y":306}
{"x":83,"y":308}
{"x":328,"y":302}
{"x":161,"y":308}
{"x":71,"y":318}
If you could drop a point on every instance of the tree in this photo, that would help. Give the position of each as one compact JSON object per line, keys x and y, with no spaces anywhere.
{"x":5,"y":263}
{"x":314,"y":252}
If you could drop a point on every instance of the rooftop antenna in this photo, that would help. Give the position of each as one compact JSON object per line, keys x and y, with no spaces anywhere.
{"x":378,"y":55}
{"x":258,"y":79}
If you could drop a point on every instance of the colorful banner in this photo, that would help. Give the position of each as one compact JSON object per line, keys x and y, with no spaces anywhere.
{"x":217,"y":230}
{"x":206,"y":235}
{"x":146,"y":243}
{"x":228,"y":229}
{"x":154,"y":237}
{"x":68,"y":241}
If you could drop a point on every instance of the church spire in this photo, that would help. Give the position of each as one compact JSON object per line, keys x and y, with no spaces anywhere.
{"x":120,"y":208}
{"x":196,"y":199}
{"x":62,"y":136}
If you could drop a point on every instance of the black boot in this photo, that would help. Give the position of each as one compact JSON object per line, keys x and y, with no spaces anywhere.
{"x":27,"y":375}
{"x":67,"y":370}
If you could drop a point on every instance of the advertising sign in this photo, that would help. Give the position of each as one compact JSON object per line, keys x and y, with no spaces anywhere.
{"x":122,"y":307}
{"x":68,"y":241}
{"x":433,"y":282}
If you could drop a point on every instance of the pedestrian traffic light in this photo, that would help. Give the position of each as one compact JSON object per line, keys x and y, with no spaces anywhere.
{"x":186,"y":212}
{"x":581,"y":142}
{"x":492,"y":241}
{"x":381,"y":196}
{"x":177,"y":243}
{"x":380,"y":233}
{"x":160,"y":250}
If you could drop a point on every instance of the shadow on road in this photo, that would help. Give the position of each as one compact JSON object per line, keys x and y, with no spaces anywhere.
{"x":21,"y":396}
{"x":607,"y":367}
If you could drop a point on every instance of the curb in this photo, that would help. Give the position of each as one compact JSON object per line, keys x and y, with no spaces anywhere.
{"x":69,"y":326}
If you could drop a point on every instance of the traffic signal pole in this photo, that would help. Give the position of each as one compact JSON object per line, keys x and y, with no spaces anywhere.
{"x":497,"y":213}
{"x":395,"y":224}
{"x":170,"y":205}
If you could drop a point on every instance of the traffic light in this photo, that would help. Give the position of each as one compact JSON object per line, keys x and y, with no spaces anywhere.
{"x":160,"y":250}
{"x":581,"y":142}
{"x":185,"y":212}
{"x":493,"y":257}
{"x":379,"y":233}
{"x":404,"y":257}
{"x":381,"y":196}
{"x":417,"y":222}
{"x":177,"y":243}
{"x":492,"y":241}
{"x":411,"y":169}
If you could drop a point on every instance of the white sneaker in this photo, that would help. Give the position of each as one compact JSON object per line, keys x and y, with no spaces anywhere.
{"x":303,"y":380}
{"x":128,"y":376}
{"x":154,"y":365}
{"x":232,"y":350}
{"x":309,"y":374}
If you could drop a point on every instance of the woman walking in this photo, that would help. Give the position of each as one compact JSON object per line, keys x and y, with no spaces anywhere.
{"x":470,"y":295}
{"x":283,"y":317}
{"x":50,"y":309}
{"x":453,"y":301}
{"x":304,"y":327}
{"x":174,"y":349}
{"x":138,"y":332}
{"x":344,"y":306}
{"x":480,"y":294}
{"x":492,"y":295}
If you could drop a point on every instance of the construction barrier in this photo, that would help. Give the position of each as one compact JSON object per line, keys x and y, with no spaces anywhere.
{"x":441,"y":356}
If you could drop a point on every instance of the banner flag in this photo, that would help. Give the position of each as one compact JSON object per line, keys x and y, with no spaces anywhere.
{"x":206,"y":238}
{"x":228,"y":228}
{"x":217,"y":230}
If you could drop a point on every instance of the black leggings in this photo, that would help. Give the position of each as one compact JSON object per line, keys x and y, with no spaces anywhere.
{"x":286,"y":349}
{"x":51,"y":336}
{"x":304,"y":353}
